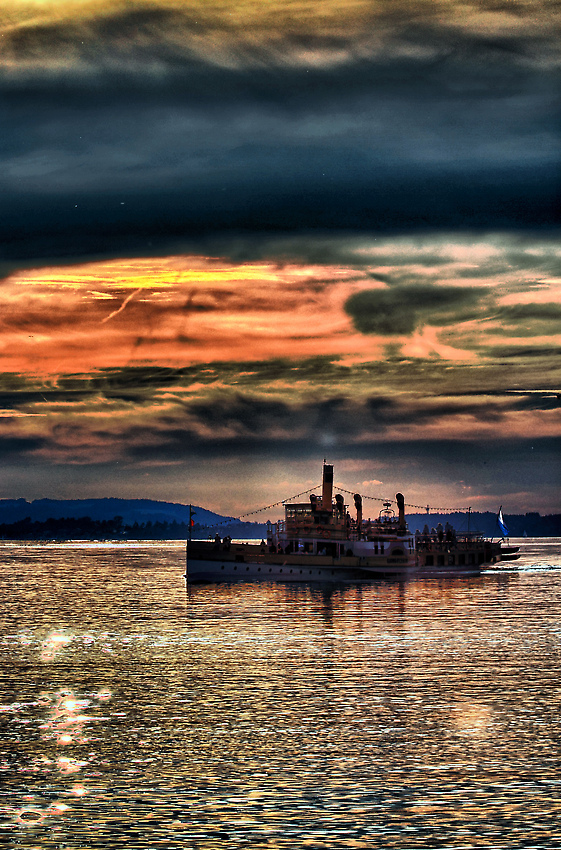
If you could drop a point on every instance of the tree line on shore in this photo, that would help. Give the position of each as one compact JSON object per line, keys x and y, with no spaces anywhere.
{"x":86,"y":528}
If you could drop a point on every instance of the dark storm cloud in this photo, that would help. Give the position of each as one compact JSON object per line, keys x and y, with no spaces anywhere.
{"x":402,"y":309}
{"x":547,"y":262}
{"x":535,"y":401}
{"x":529,"y":320}
{"x":243,"y":426}
{"x":547,"y":353}
{"x":135,"y":388}
{"x":144,"y":384}
{"x":148,"y":418}
{"x":153,"y":42}
{"x":21,"y":392}
{"x":541,"y":312}
{"x":143,"y":129}
{"x":44,"y":229}
{"x":20,"y":448}
{"x":236,"y":420}
{"x":240,"y":418}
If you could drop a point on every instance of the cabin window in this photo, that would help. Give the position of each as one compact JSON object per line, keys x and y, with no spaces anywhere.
{"x":461,"y":559}
{"x":451,"y":560}
{"x":440,"y":560}
{"x":429,"y":561}
{"x":397,"y":552}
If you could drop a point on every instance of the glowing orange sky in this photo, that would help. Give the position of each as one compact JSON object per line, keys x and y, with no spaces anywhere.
{"x":171,"y":311}
{"x":69,"y":329}
{"x":180,"y":310}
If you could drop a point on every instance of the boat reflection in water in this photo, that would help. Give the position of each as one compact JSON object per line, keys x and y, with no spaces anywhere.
{"x":318,"y":540}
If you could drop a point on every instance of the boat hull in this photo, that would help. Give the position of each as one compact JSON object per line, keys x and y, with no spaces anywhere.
{"x":246,"y":562}
{"x":211,"y":571}
{"x":210,"y":563}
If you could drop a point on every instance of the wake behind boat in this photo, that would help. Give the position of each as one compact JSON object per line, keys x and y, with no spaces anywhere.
{"x":318,"y":540}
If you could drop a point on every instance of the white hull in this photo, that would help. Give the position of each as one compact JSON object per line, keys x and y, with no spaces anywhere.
{"x":202,"y":570}
{"x":247,"y":562}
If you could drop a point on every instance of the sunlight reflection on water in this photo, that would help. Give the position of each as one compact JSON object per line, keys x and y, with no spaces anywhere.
{"x":136,"y":713}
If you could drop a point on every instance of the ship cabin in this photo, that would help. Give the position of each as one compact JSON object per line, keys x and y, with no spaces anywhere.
{"x":323,"y":525}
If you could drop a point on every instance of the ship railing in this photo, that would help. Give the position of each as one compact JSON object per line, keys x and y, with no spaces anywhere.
{"x":435,"y":543}
{"x":295,"y":529}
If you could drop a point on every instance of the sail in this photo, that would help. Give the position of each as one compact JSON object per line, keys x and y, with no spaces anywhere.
{"x":501,"y":523}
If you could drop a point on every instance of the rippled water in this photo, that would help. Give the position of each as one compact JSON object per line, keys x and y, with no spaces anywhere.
{"x":137,"y":713}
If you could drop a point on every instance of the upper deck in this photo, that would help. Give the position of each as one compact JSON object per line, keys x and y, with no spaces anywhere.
{"x":327,"y":517}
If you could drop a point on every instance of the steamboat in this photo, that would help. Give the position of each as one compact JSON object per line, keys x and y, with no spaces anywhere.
{"x":319,"y":540}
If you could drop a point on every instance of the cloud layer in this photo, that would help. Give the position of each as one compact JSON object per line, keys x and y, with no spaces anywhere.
{"x":143,"y":127}
{"x":408,"y":345}
{"x":234,"y":234}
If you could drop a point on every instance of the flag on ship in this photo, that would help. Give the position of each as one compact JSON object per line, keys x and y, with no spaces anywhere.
{"x":501,"y":522}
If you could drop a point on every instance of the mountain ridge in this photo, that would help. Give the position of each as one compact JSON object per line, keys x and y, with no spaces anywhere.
{"x":143,"y":514}
{"x":131,"y":510}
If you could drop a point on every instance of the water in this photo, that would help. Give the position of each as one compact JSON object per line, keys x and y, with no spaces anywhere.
{"x":138,"y":714}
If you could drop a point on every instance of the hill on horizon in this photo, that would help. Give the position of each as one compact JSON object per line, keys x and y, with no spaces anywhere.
{"x":144,"y":511}
{"x":131,"y":510}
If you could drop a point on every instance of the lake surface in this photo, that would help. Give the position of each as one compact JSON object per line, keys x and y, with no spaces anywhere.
{"x":140,"y":713}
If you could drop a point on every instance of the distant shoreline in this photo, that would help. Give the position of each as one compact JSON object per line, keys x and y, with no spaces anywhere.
{"x":145,"y":519}
{"x":84,"y":528}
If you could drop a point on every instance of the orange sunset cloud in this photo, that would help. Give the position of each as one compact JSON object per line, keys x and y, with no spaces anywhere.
{"x":181,"y":310}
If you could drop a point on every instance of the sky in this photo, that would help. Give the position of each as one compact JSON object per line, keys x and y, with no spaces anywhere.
{"x":239,"y":238}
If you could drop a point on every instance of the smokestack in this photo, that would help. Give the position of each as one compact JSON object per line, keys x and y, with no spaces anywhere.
{"x":358,"y":506}
{"x":327,"y":490}
{"x":340,"y":504}
{"x":401,"y":508}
